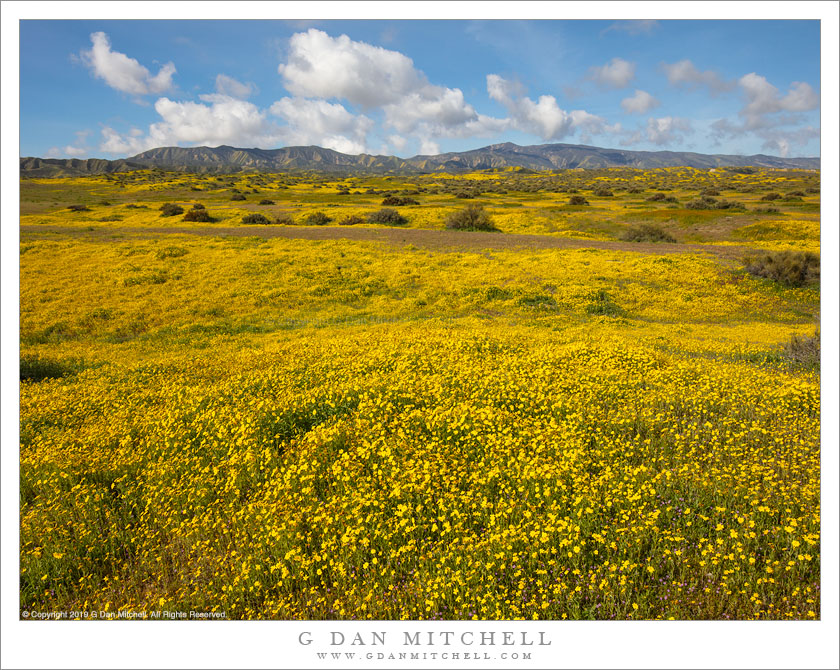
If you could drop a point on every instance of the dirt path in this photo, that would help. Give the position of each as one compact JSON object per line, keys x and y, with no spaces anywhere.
{"x":440,"y":240}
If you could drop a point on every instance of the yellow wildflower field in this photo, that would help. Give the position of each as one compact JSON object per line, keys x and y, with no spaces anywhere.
{"x":344,"y":428}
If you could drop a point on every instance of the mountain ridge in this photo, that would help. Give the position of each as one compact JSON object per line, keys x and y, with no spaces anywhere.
{"x":226,"y":158}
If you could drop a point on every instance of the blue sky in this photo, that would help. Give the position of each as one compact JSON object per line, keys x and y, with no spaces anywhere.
{"x":115,"y":88}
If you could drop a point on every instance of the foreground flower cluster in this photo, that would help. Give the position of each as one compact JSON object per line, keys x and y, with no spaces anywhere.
{"x":425,"y":472}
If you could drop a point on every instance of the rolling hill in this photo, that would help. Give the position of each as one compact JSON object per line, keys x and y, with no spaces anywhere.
{"x":536,"y":157}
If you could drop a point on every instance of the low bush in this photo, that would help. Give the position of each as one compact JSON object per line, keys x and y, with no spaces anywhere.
{"x":804,"y":350}
{"x":578,"y":200}
{"x":171,"y":209}
{"x":647,"y":232}
{"x":284,"y":219}
{"x":472,"y":217}
{"x":602,"y":192}
{"x":237,"y":197}
{"x":256,"y":219}
{"x":771,"y":196}
{"x":351,"y":220}
{"x":198,"y":215}
{"x":266,"y":201}
{"x":198,"y":205}
{"x":791,"y":268}
{"x":387,"y":216}
{"x":398,"y":201}
{"x":79,"y":208}
{"x":707,"y":202}
{"x":317,"y":219}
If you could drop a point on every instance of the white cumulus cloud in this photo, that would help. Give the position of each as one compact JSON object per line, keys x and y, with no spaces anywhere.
{"x":220,"y":119}
{"x":667,"y":130}
{"x":217,"y":120}
{"x":544,"y":117}
{"x":763,"y":98}
{"x":123,"y":73}
{"x":323,"y":67}
{"x":772,"y":116}
{"x":429,"y":147}
{"x":685,"y":73}
{"x":233,"y":88}
{"x":615,"y":74}
{"x":397,"y":141}
{"x":320,"y":66}
{"x":639,"y":103}
{"x":323,"y":123}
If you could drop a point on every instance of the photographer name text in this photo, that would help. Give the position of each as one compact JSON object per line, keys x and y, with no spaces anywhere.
{"x":429,"y":638}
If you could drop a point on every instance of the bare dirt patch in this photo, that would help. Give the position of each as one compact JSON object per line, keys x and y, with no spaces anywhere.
{"x":439,"y":240}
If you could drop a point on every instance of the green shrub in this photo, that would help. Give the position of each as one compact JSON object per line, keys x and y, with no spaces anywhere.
{"x":398,"y":201}
{"x":578,"y":200}
{"x":256,"y":219}
{"x":707,"y":202}
{"x":171,"y":209}
{"x":387,"y":216}
{"x":472,"y":217}
{"x":199,"y":215}
{"x":79,"y":208}
{"x":771,"y":196}
{"x":266,"y":201}
{"x":602,"y":192}
{"x":198,"y":205}
{"x":237,"y":197}
{"x":351,"y":220}
{"x":804,"y":351}
{"x":647,"y":232}
{"x":284,"y":219}
{"x":791,"y":268}
{"x":317,"y":219}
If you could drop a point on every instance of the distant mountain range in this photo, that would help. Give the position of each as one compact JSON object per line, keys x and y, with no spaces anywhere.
{"x":537,"y":157}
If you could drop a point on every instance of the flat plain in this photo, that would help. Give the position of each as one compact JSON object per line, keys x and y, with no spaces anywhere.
{"x":605,"y":410}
